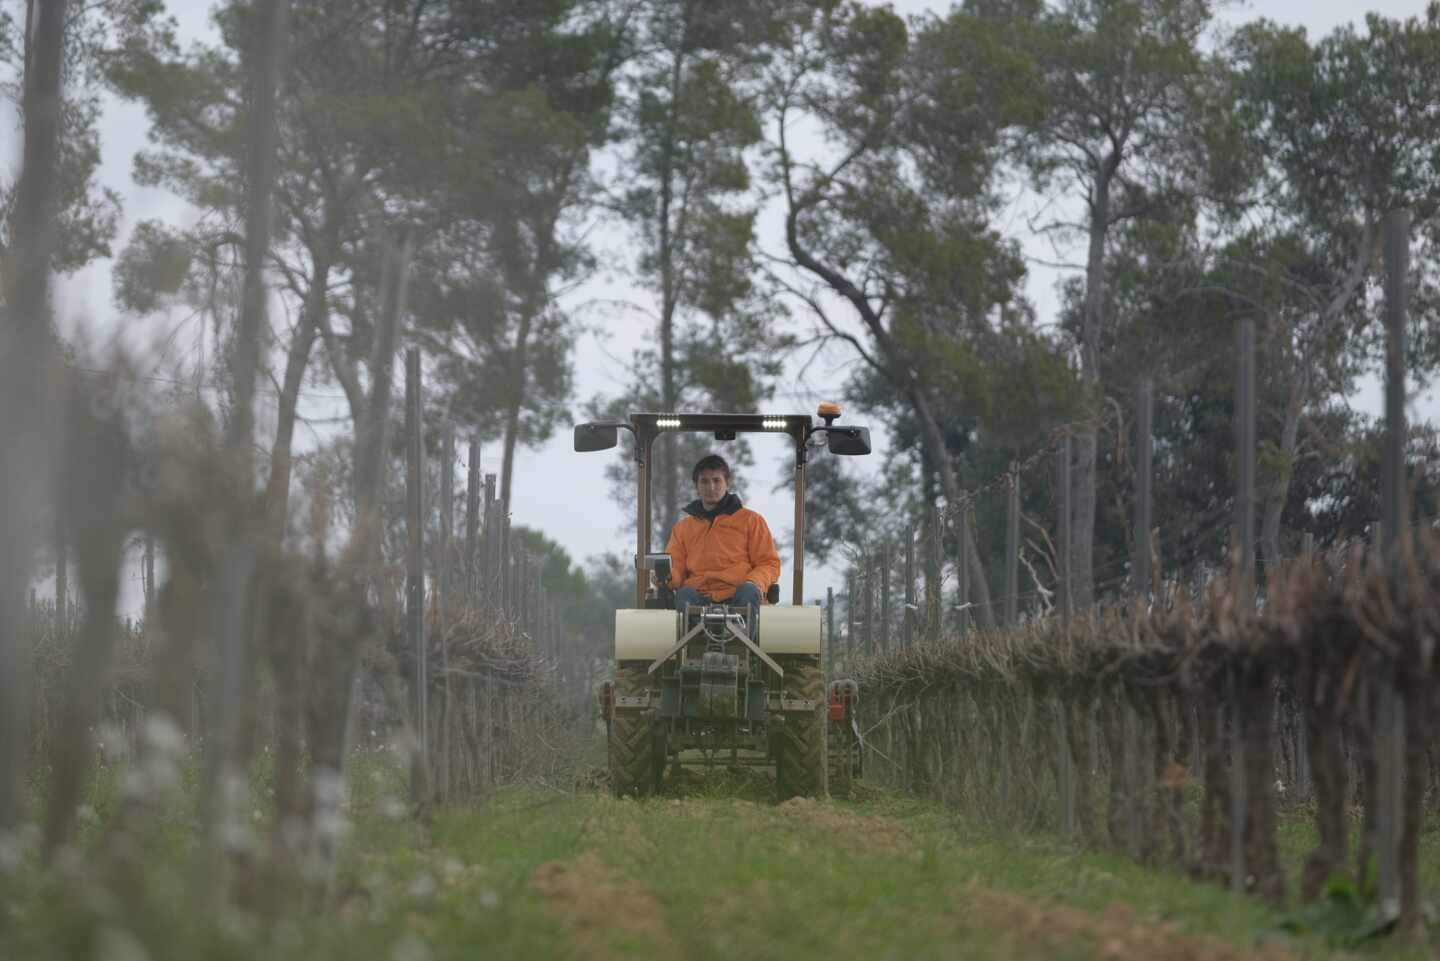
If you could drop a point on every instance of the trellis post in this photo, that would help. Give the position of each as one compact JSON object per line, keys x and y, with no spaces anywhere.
{"x":1390,"y":742}
{"x":1012,"y":549}
{"x":885,"y":595}
{"x":415,"y":563}
{"x":907,"y":629}
{"x":472,"y":517}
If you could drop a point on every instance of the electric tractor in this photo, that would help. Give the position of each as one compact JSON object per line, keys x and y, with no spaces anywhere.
{"x":716,"y":682}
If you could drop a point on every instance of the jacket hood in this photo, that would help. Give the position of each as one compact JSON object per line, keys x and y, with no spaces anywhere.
{"x":729,"y":504}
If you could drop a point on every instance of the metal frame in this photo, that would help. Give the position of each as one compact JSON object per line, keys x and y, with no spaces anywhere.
{"x":732,"y":633}
{"x":646,"y":429}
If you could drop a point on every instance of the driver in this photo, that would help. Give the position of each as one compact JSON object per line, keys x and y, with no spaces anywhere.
{"x":720,"y":552}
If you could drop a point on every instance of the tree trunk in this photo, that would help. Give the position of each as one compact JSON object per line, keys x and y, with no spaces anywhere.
{"x":1329,"y":773}
{"x":27,"y":387}
{"x":297,"y":359}
{"x":934,"y":564}
{"x":668,"y":503}
{"x":62,"y":572}
{"x":350,"y":620}
{"x":1262,"y":859}
{"x":1417,"y":717}
{"x":1366,"y":723}
{"x":1213,"y":857}
{"x":94,"y":449}
{"x":1112,"y":729}
{"x":934,"y":443}
{"x":1080,"y":729}
{"x":1170,"y":789}
{"x":516,"y":403}
{"x":1279,"y":491}
{"x":232,"y":601}
{"x":283,"y":636}
{"x":1082,"y":548}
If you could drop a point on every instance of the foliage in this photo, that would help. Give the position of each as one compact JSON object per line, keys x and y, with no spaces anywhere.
{"x":583,"y":605}
{"x":1345,"y":915}
{"x":95,"y":33}
{"x":540,"y":874}
{"x":687,"y":119}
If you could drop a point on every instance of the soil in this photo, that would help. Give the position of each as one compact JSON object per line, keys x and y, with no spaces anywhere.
{"x":851,"y":831}
{"x":1118,"y":933}
{"x":598,"y":906}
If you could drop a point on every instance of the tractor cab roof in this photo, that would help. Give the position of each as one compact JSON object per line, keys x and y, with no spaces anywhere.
{"x":733,"y":423}
{"x":646,"y":427}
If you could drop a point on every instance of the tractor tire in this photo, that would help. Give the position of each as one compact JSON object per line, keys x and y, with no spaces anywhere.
{"x":800,"y":766}
{"x":635,"y":764}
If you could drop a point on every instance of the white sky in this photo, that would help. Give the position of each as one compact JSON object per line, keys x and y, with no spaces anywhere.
{"x":557,"y":491}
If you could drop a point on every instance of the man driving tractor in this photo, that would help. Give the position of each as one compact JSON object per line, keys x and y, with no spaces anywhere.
{"x":721,"y":552}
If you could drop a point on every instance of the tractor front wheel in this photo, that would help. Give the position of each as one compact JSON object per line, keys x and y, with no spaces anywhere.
{"x":800,"y":764}
{"x":636,"y":764}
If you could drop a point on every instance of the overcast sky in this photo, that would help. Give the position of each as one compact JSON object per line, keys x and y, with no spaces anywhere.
{"x":557,"y":491}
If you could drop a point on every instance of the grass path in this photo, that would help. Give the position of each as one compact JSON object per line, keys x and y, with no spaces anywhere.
{"x":588,"y":878}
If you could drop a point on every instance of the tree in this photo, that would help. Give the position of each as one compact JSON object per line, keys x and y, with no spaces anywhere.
{"x":1347,"y":136}
{"x":1121,"y":79}
{"x":487,"y":282}
{"x":687,"y":119}
{"x":894,"y":218}
{"x":26,"y":416}
{"x":380,"y":115}
{"x":370,"y":156}
{"x":584,"y":610}
{"x":94,"y":33}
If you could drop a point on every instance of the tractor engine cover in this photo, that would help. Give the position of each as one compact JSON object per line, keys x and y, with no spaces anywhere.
{"x":719,"y":687}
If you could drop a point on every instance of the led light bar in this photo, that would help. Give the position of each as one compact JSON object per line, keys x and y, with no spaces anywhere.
{"x":773,"y":423}
{"x":664,"y":422}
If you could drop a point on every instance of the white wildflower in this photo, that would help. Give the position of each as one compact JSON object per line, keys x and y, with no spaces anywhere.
{"x":163,"y":735}
{"x":14,"y":845}
{"x":411,"y":947}
{"x":422,"y":887}
{"x":117,"y":944}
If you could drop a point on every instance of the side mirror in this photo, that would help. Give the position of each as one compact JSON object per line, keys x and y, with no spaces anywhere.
{"x":847,"y":441}
{"x":593,"y":437}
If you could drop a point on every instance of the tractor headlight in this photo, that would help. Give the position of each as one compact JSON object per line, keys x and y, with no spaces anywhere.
{"x":667,"y":422}
{"x":773,"y":423}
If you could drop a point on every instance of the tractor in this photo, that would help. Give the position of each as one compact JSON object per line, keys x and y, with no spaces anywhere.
{"x":705,"y":683}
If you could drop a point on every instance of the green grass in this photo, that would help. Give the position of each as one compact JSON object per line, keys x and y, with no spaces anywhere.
{"x":1297,"y":837}
{"x":719,"y":874}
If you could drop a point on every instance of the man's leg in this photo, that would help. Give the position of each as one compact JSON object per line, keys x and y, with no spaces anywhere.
{"x":686,"y":596}
{"x":748,"y":595}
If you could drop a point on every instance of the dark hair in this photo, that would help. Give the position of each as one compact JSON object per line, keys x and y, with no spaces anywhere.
{"x":710,"y":462}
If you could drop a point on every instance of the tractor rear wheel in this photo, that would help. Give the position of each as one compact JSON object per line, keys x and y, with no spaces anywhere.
{"x":800,"y":766}
{"x":635,"y":762}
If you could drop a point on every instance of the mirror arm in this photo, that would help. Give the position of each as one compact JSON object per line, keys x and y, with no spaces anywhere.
{"x":623,"y":425}
{"x":848,"y":430}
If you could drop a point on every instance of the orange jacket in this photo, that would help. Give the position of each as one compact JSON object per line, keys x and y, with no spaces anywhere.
{"x":717,"y":551}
